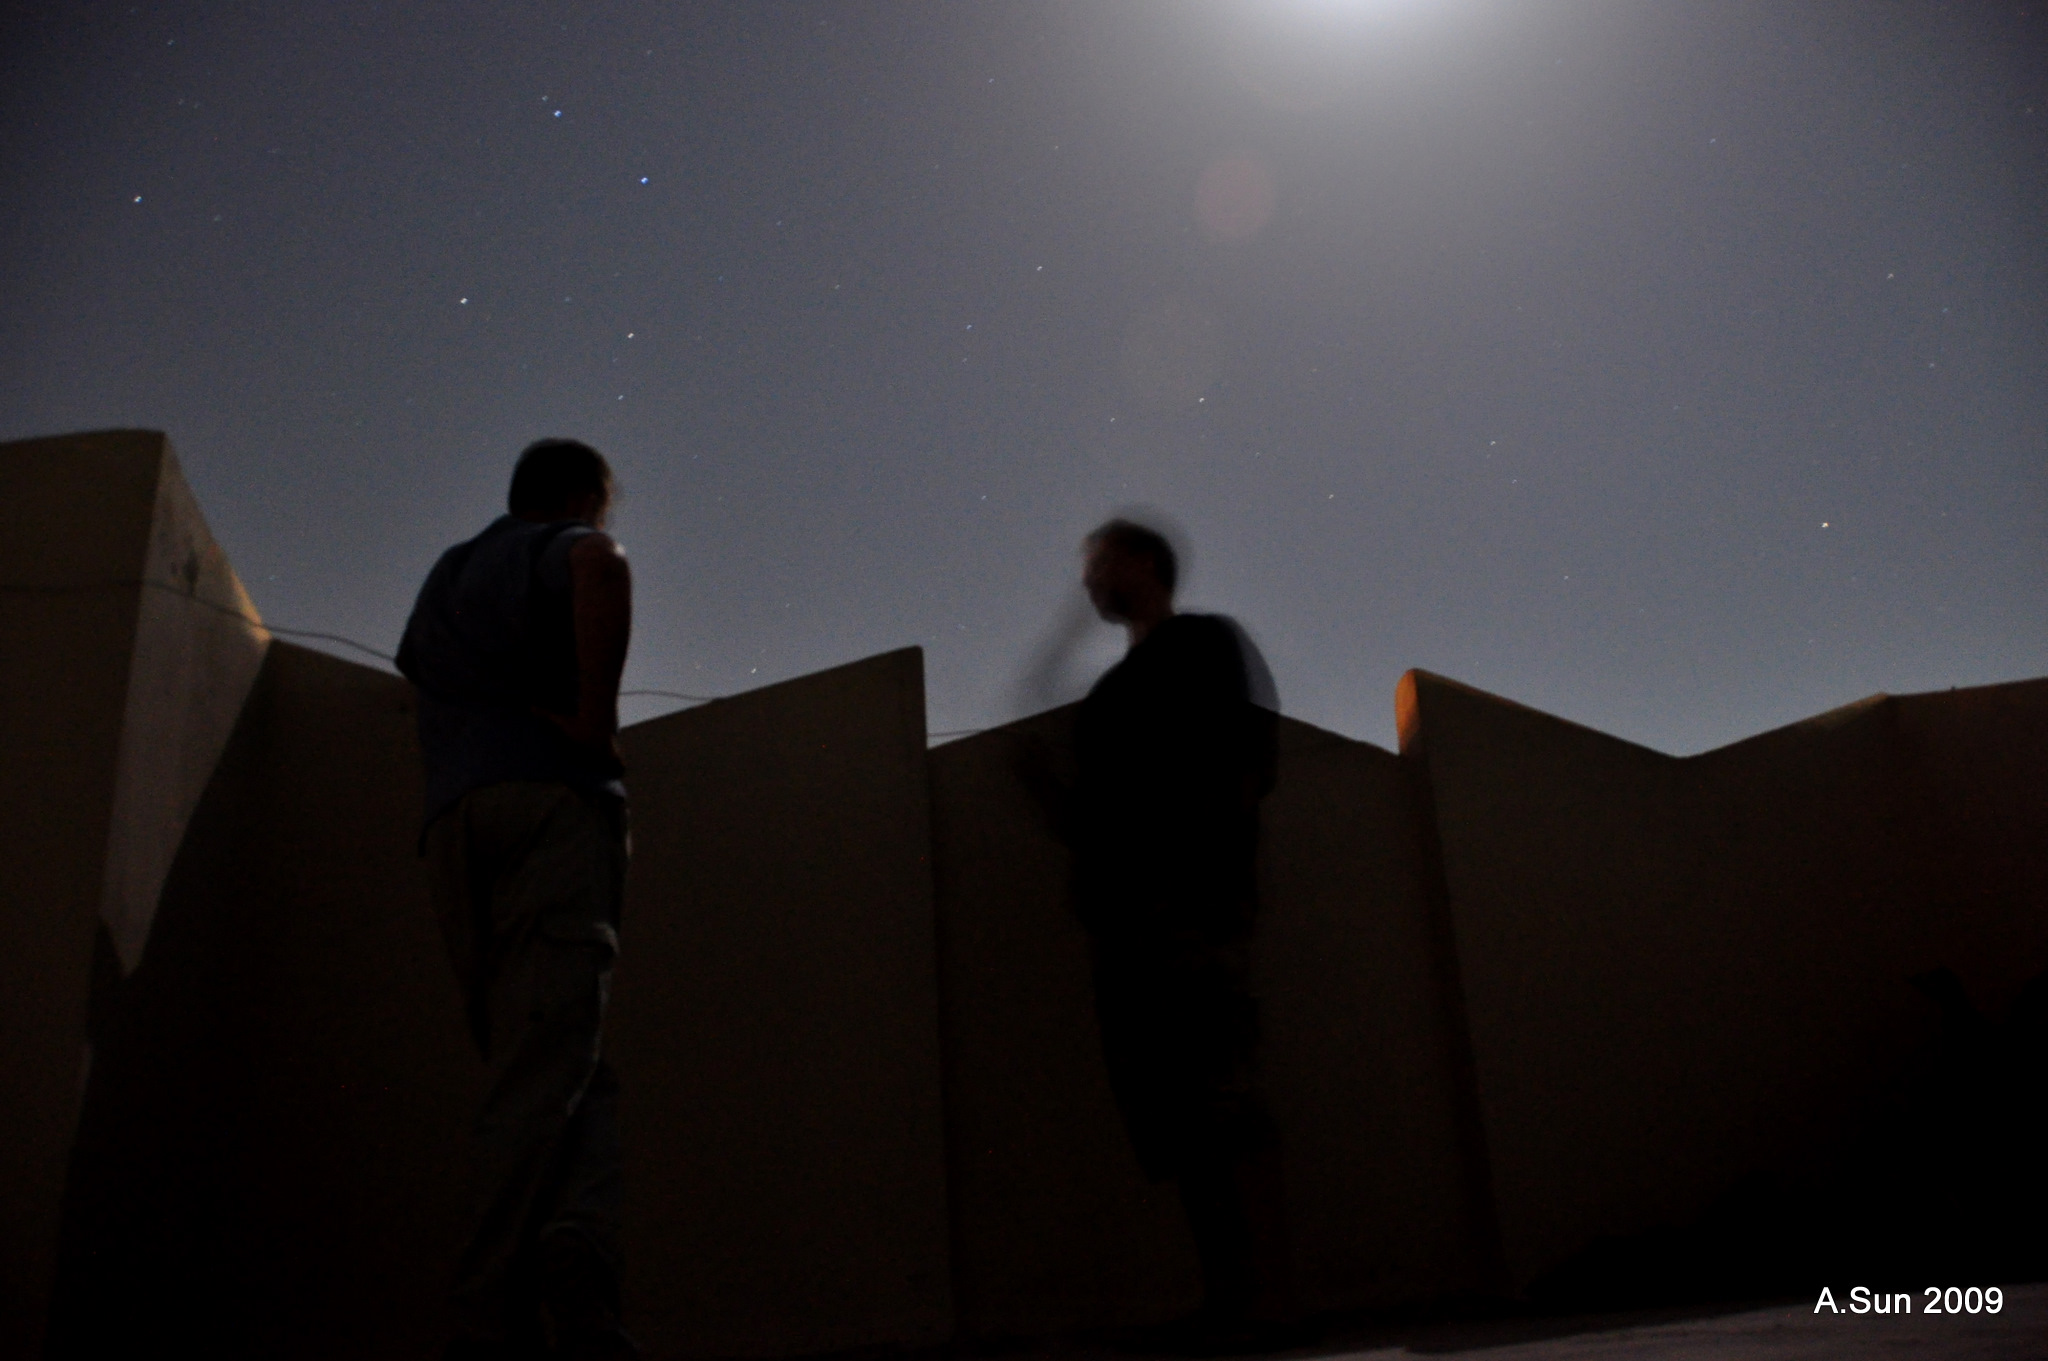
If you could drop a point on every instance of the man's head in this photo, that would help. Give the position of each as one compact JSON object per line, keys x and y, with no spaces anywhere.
{"x":561,"y":479}
{"x":1129,"y":572}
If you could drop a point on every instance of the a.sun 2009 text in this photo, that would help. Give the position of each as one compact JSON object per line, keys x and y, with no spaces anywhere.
{"x":1939,"y":1300}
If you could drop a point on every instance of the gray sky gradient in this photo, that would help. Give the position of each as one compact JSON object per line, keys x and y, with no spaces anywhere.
{"x":1681,"y":369}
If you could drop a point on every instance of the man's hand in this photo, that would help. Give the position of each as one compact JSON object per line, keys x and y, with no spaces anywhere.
{"x":581,"y":729}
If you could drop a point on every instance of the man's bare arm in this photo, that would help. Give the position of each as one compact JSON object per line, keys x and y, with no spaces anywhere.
{"x":601,"y":596}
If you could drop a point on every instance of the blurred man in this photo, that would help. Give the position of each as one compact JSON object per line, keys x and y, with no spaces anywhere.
{"x":1173,"y":758}
{"x":516,"y":645}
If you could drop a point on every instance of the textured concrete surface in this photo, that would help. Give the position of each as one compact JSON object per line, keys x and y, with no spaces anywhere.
{"x":67,"y":633}
{"x":1680,"y":974}
{"x":775,"y":1022}
{"x":1054,"y":1224}
{"x":274,"y":1128}
{"x":126,"y":649}
{"x":271,"y":1156}
{"x":198,"y":646}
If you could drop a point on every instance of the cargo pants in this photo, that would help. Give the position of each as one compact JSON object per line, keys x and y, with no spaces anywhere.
{"x":528,"y":880}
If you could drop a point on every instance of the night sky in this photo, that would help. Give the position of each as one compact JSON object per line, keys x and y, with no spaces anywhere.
{"x":1680,"y":369}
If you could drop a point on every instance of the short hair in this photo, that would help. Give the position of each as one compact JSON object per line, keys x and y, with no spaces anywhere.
{"x":1128,"y":536}
{"x":553,"y":472}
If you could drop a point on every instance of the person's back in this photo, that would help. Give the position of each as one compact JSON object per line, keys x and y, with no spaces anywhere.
{"x":491,"y":647}
{"x":1173,"y":757}
{"x":515,"y":647}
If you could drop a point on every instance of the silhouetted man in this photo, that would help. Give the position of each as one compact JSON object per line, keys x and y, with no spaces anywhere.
{"x":516,"y":646}
{"x":1173,"y":760}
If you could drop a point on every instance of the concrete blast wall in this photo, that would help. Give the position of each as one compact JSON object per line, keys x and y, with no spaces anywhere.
{"x":1054,"y":1225}
{"x":776,"y":1022}
{"x":1522,"y":987}
{"x":128,"y":648}
{"x":270,"y":1158}
{"x":268,"y":1155}
{"x":1983,"y":754}
{"x":272,"y":1151}
{"x":1680,"y":972}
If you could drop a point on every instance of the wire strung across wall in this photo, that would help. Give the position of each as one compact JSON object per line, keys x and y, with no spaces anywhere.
{"x":171,"y":588}
{"x":183,"y":593}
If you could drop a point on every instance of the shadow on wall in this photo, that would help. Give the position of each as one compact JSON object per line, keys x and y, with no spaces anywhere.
{"x":1946,"y":1183}
{"x":1691,"y":983}
{"x":270,"y":1156}
{"x":126,"y":651}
